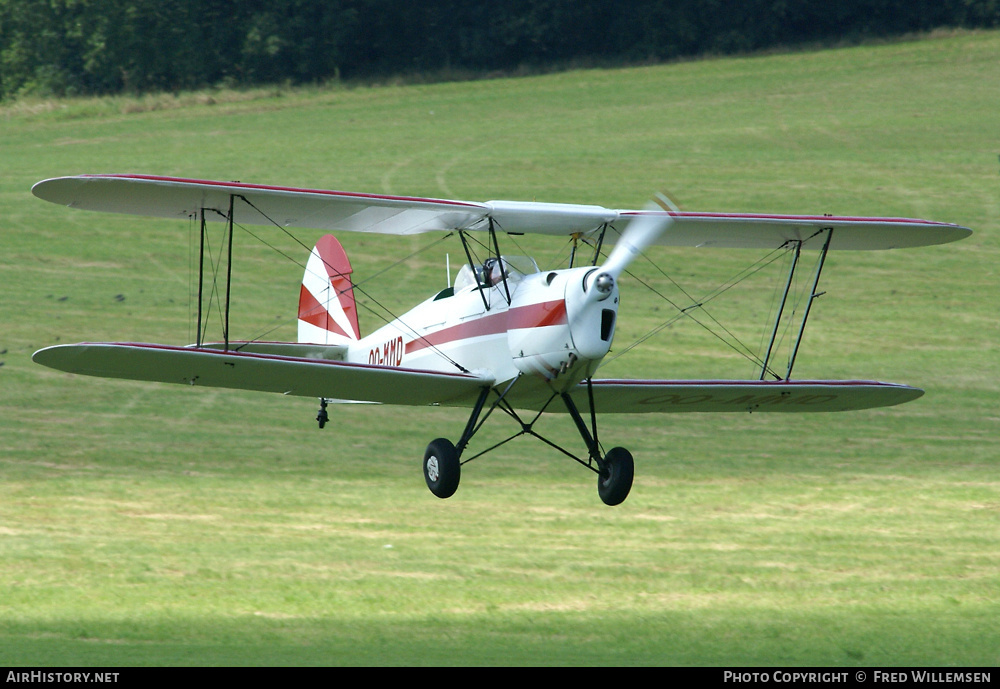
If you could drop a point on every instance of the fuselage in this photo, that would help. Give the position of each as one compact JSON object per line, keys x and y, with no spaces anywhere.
{"x":555,"y":326}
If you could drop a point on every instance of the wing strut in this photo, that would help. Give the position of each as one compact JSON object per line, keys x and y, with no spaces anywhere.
{"x":813,"y":294}
{"x":576,"y":236}
{"x":781,"y":308}
{"x":784,"y":300}
{"x":200,"y":331}
{"x":472,"y":265}
{"x":229,"y":270}
{"x":600,"y":244}
{"x":503,"y":273}
{"x":201,"y":277}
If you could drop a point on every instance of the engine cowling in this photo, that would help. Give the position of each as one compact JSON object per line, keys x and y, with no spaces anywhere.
{"x":562,"y":323}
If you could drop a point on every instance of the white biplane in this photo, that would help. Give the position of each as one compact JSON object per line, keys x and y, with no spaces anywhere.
{"x":504,"y":336}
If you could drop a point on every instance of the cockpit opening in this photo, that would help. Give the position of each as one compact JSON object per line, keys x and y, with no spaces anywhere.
{"x":493,"y":271}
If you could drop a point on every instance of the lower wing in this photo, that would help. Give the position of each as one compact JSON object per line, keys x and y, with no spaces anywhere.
{"x":265,"y":372}
{"x":300,"y":371}
{"x":672,"y":396}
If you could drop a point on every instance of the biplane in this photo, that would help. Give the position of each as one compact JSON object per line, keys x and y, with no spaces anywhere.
{"x":504,"y":336}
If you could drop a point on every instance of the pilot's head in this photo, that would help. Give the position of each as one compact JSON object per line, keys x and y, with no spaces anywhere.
{"x":491,"y":271}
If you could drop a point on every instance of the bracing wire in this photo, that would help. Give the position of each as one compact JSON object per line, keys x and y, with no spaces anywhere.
{"x":214,"y":295}
{"x":388,"y":315}
{"x":733,"y":342}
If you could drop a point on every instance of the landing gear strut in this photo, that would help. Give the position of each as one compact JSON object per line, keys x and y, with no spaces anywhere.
{"x":615,"y":470}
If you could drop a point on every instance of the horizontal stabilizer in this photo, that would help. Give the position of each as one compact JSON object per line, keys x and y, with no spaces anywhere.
{"x":240,"y":370}
{"x":673,"y":396}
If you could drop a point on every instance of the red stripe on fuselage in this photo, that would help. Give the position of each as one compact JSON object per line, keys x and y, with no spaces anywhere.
{"x":531,"y":316}
{"x":537,"y":315}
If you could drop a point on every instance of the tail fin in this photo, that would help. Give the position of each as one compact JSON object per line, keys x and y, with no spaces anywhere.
{"x":327,"y":312}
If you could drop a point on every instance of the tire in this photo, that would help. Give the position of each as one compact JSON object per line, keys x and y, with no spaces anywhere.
{"x":442,"y":470}
{"x":615,"y":481}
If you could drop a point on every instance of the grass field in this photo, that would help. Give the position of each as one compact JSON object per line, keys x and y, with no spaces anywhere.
{"x":157,"y":525}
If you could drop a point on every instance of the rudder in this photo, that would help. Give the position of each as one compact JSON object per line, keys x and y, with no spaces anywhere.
{"x":327,"y":311}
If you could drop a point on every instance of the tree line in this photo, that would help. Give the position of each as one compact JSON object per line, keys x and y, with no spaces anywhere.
{"x":95,"y":47}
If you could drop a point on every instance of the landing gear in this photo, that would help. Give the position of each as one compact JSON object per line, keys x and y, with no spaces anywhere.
{"x":442,"y":470}
{"x":614,"y":481}
{"x":615,"y":470}
{"x":322,"y":416}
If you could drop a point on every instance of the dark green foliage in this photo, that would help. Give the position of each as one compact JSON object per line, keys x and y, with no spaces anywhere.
{"x":66,"y":47}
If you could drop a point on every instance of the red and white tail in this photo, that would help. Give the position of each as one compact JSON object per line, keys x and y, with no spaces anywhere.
{"x":327,"y":312}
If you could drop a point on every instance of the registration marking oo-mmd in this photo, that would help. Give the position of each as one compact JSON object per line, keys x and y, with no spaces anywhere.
{"x":389,"y":354}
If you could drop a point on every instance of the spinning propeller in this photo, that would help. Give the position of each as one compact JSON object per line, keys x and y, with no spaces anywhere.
{"x":640,"y":234}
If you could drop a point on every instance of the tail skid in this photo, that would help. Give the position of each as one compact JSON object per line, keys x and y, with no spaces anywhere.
{"x":327,"y":312}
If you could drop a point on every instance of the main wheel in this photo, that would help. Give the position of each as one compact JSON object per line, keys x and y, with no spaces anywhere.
{"x":442,"y":470}
{"x":615,"y":480}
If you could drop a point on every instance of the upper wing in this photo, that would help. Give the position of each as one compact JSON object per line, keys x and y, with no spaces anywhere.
{"x":336,"y":210}
{"x":756,"y":231}
{"x":671,"y":396}
{"x":264,"y":372}
{"x":168,"y":197}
